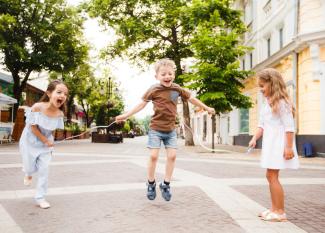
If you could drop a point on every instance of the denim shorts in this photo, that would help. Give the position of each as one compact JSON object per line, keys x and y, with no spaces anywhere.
{"x":155,"y":137}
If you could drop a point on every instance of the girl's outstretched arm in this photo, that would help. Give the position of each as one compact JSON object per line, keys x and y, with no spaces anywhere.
{"x":136,"y":109}
{"x":41,"y":137}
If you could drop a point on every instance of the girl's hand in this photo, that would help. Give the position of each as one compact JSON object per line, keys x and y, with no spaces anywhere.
{"x":288,"y":153}
{"x":252,"y":143}
{"x":49,"y":143}
{"x":120,"y":118}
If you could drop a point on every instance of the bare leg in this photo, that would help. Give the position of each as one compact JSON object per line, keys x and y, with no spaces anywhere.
{"x":154,"y":153}
{"x":276,"y":190}
{"x":171,"y":157}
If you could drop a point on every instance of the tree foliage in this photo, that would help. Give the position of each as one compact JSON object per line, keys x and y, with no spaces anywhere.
{"x":39,"y":35}
{"x":216,"y":44}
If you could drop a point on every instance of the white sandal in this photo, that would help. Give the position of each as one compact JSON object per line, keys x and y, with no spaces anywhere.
{"x":43,"y":204}
{"x":264,"y":213}
{"x":274,"y":217}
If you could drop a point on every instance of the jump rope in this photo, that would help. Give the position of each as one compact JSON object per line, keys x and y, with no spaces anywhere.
{"x":249,"y":149}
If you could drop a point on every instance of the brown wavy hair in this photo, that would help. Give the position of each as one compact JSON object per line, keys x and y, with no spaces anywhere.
{"x":277,"y":87}
{"x":50,"y":88}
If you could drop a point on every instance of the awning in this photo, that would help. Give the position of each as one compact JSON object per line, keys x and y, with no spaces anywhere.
{"x":5,"y":99}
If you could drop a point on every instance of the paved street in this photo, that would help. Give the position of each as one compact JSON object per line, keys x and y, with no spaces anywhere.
{"x":100,"y":188}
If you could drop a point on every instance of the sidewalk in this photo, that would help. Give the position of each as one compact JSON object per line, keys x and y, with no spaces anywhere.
{"x":100,"y":188}
{"x":239,"y":152}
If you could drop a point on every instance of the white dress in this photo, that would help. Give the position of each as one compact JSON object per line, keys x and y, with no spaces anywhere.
{"x":274,"y":128}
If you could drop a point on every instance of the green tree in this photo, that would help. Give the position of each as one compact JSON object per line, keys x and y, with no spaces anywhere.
{"x":87,"y":96}
{"x":39,"y":35}
{"x":96,"y":99}
{"x":101,"y":116}
{"x":216,"y":44}
{"x":126,"y":128}
{"x":145,"y":122}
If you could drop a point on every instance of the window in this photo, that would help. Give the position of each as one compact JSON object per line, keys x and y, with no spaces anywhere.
{"x":251,"y":60}
{"x":281,"y":37}
{"x":244,"y":120}
{"x":268,"y":41}
{"x":243,"y":64}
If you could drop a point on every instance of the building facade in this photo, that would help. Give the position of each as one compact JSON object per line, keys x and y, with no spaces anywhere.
{"x":288,"y":35}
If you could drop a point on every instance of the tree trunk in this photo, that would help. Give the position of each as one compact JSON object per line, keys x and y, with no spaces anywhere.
{"x":17,"y":94}
{"x":69,"y":108}
{"x":87,"y":118}
{"x":188,"y":134}
{"x":18,"y":89}
{"x":86,"y":112}
{"x":186,"y":112}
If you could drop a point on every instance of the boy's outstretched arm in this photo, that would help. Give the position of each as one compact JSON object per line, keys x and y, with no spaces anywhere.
{"x":136,"y":109}
{"x":198,"y":103}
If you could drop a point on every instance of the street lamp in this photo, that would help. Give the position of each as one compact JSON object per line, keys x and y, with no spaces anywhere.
{"x":110,"y":86}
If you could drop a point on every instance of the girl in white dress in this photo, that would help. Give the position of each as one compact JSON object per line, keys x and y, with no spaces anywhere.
{"x":276,"y":125}
{"x":36,"y":140}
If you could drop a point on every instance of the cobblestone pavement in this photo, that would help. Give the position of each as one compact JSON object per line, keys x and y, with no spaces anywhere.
{"x":100,"y":188}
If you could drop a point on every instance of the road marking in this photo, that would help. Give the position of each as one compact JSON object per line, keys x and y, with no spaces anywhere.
{"x":16,"y":194}
{"x":231,"y":161}
{"x":7,"y":224}
{"x":240,"y":208}
{"x":64,"y":163}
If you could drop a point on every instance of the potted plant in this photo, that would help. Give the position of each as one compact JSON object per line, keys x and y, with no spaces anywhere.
{"x":67,"y":131}
{"x":59,"y":134}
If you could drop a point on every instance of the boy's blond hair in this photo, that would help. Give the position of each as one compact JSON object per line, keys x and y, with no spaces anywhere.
{"x":165,"y":62}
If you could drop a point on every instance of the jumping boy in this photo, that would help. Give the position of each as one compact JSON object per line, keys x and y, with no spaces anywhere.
{"x":164,"y":97}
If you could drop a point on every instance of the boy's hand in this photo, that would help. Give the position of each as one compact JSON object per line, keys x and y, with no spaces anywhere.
{"x":288,"y":153}
{"x":120,"y":118}
{"x":252,"y":143}
{"x":211,"y":111}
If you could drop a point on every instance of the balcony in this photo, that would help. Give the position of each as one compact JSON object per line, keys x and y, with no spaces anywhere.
{"x":267,"y":8}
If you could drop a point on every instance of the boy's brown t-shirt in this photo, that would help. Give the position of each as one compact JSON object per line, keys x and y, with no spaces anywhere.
{"x":164,"y":100}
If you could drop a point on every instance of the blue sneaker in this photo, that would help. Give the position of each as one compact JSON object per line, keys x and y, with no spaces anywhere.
{"x":165,"y":191}
{"x":151,"y":191}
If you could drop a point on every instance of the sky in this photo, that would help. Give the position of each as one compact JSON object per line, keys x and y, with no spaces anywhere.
{"x":133,"y":81}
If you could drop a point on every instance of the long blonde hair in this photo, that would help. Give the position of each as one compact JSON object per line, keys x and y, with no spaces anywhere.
{"x":277,"y":87}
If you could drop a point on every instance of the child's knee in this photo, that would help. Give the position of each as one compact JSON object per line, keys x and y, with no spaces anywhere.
{"x":271,"y":177}
{"x":154,"y":157}
{"x":171,"y":157}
